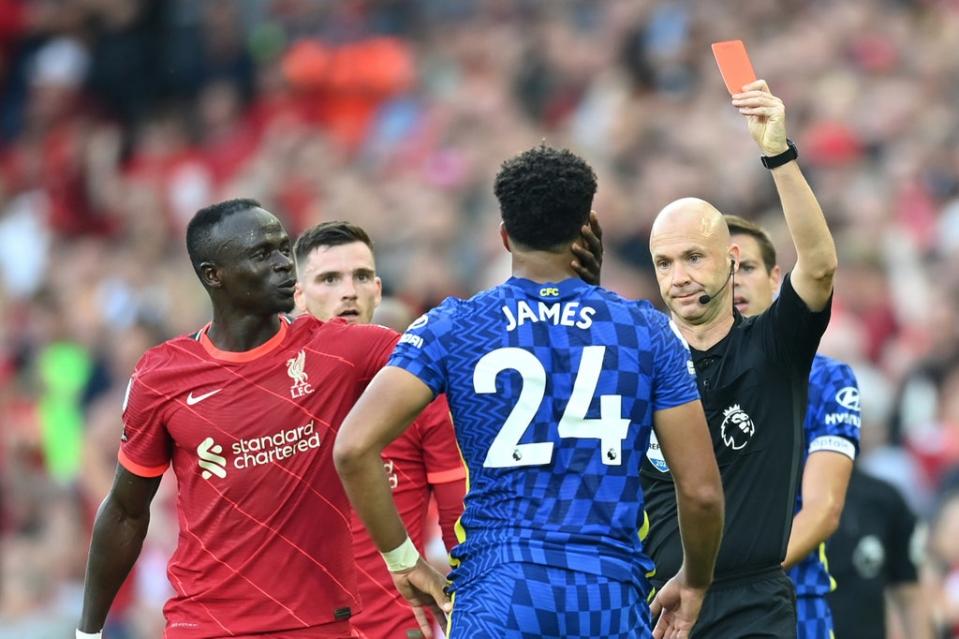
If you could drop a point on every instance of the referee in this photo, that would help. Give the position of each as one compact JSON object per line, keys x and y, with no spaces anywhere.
{"x":752,"y":375}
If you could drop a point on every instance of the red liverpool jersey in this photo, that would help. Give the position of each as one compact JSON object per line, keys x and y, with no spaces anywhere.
{"x":425,"y":454}
{"x":264,"y":522}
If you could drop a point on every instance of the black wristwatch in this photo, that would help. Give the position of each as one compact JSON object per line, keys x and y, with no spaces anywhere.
{"x":790,"y":154}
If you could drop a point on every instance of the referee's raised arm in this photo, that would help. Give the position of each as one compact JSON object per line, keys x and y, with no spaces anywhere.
{"x":752,"y":374}
{"x":816,"y":260}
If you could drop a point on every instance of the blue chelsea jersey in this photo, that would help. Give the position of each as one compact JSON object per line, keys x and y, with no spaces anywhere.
{"x":552,"y":388}
{"x":832,"y":423}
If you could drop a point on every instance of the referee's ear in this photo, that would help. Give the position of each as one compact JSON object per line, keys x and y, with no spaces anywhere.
{"x":733,"y":258}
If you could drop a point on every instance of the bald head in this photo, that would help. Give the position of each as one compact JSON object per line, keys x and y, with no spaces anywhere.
{"x":691,"y":251}
{"x":693,"y":219}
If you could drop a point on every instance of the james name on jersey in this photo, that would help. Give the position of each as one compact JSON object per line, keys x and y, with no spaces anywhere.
{"x":560,"y":314}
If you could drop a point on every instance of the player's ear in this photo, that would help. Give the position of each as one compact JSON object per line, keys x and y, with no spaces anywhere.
{"x":210,"y":275}
{"x":298,"y":299}
{"x":504,"y":236}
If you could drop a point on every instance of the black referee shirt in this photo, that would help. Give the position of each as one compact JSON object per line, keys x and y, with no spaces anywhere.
{"x":753,"y":385}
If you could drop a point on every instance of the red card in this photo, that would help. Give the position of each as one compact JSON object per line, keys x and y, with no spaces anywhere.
{"x":734,"y":65}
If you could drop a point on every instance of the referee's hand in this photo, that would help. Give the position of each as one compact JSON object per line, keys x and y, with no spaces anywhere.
{"x":677,"y":606}
{"x":765,"y":116}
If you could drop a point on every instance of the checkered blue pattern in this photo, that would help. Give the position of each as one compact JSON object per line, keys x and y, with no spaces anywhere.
{"x":575,"y":511}
{"x":833,"y":411}
{"x":815,"y":618}
{"x":530,"y":601}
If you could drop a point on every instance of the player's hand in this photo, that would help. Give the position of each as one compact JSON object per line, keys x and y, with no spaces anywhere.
{"x":677,"y":605}
{"x":765,"y":116}
{"x":588,"y":250}
{"x":424,"y":587}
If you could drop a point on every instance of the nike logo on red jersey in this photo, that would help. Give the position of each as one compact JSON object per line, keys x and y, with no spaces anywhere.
{"x":191,"y":400}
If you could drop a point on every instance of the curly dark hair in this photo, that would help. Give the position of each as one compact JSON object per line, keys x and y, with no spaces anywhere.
{"x":545,"y":195}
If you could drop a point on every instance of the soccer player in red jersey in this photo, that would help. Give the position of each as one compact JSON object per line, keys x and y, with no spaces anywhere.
{"x":337,"y":278}
{"x":245,"y":410}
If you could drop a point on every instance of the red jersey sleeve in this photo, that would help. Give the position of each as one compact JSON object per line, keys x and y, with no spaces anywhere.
{"x":441,"y":453}
{"x":445,"y":470}
{"x":145,"y":446}
{"x":449,"y":506}
{"x":377,"y":343}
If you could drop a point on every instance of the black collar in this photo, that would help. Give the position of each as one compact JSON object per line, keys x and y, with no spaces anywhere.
{"x":719,"y":348}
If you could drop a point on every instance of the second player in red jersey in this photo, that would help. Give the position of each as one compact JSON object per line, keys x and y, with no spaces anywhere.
{"x":337,"y":278}
{"x":429,"y":443}
{"x":246,"y":411}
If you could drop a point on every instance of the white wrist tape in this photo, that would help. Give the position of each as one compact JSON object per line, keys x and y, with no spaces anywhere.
{"x":89,"y":635}
{"x":401,"y":558}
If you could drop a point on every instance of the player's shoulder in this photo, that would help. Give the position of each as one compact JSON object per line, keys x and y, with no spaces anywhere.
{"x":640,"y":314}
{"x":642,"y":309}
{"x":163,"y":367}
{"x":651,"y":314}
{"x":176,"y":351}
{"x":443,"y":316}
{"x":493,"y":296}
{"x":452,"y":306}
{"x":827,"y":369}
{"x":826,"y":364}
{"x":305,"y":328}
{"x":645,"y":313}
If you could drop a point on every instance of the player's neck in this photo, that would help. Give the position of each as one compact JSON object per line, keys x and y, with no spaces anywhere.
{"x":237,"y":333}
{"x":705,"y":335}
{"x":543,"y":266}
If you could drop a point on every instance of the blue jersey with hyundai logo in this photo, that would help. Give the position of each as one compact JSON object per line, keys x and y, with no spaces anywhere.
{"x":832,"y":424}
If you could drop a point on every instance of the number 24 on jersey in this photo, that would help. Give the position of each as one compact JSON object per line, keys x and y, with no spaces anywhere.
{"x":506,"y":451}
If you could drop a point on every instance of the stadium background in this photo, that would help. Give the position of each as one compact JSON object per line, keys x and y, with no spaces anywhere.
{"x":119,"y":118}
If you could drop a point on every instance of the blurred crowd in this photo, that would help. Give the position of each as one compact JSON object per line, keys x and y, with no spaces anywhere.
{"x":120,"y":118}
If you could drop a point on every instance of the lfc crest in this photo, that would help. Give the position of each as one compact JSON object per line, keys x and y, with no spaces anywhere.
{"x":295,"y":368}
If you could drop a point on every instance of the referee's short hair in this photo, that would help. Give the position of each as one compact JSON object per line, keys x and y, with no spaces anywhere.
{"x":742,"y":226}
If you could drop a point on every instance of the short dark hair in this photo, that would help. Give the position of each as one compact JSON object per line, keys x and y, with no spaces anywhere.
{"x":335,"y":233}
{"x":545,"y":195}
{"x":198,"y":232}
{"x":742,"y":226}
